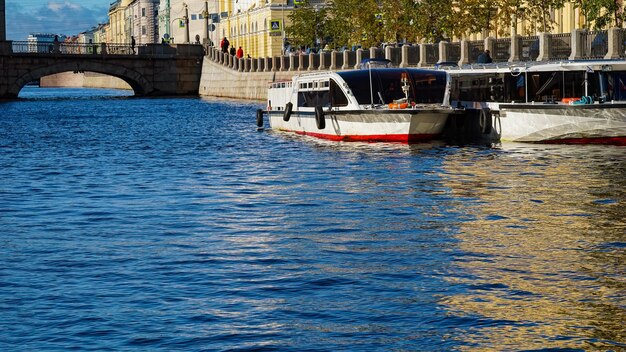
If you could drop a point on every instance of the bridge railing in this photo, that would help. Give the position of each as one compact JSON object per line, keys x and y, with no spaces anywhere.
{"x":150,"y":50}
{"x":57,"y":48}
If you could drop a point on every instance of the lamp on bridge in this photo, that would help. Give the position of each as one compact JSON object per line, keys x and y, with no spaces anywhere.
{"x":3,"y":25}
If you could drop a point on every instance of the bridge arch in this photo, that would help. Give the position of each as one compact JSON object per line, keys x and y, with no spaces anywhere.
{"x":139,"y":84}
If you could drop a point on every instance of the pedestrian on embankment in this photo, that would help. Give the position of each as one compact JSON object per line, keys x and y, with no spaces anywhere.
{"x":485,"y":58}
{"x":224,"y":45}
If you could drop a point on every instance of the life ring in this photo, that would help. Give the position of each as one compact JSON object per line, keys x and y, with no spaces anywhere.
{"x":394,"y":106}
{"x":484,"y":120}
{"x":288,"y":109}
{"x":319,"y":118}
{"x":259,"y":118}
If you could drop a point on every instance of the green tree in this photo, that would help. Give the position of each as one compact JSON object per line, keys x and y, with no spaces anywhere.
{"x":308,"y":24}
{"x":354,"y":22}
{"x":601,"y":14}
{"x":434,"y":19}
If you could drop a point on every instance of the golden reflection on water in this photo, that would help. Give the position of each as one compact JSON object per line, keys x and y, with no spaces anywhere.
{"x":543,"y":256}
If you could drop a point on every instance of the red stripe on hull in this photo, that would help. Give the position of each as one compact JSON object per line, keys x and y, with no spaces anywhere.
{"x":621,"y":141}
{"x":394,"y":138}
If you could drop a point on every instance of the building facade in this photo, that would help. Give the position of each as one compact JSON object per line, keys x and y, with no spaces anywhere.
{"x":183,"y":21}
{"x":141,"y":21}
{"x":117,"y":22}
{"x":258,"y":26}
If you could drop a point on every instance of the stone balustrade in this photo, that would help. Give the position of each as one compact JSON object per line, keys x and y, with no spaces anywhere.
{"x":579,"y":44}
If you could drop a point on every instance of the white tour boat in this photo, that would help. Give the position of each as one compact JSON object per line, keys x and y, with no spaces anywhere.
{"x":560,"y":102}
{"x":374,"y":105}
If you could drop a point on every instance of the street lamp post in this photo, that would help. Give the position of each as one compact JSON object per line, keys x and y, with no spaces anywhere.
{"x":205,"y":14}
{"x":186,"y":21}
{"x":3,"y":26}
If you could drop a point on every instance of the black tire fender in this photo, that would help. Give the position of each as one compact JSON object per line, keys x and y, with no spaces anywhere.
{"x":259,"y":118}
{"x":288,"y":110}
{"x":485,"y":121}
{"x":320,"y":121}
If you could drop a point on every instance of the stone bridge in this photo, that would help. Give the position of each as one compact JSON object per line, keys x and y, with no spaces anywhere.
{"x":151,"y":70}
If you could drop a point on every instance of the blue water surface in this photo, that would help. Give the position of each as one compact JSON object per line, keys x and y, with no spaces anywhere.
{"x":172,"y":224}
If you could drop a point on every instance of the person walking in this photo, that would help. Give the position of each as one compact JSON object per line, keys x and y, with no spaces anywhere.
{"x":224,"y":45}
{"x":239,"y":53}
{"x":485,"y":58}
{"x":232,"y":51}
{"x":132,"y":44}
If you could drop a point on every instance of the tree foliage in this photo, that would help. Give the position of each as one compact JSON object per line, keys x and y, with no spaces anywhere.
{"x":307,"y":25}
{"x":372,"y":22}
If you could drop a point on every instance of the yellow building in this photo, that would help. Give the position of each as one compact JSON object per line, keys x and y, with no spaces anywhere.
{"x":258,"y":26}
{"x":117,"y":22}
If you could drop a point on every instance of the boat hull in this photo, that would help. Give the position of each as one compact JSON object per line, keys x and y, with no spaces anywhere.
{"x":409,"y":126}
{"x":560,"y":123}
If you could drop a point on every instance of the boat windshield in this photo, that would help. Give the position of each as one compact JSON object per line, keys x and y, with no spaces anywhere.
{"x":425,"y":86}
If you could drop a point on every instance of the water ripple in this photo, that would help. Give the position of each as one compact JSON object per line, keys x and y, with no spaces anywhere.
{"x":172,"y":224}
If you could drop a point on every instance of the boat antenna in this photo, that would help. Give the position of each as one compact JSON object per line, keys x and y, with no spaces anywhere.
{"x":369,"y":65}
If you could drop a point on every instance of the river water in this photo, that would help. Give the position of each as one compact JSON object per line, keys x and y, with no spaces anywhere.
{"x":173,"y":224}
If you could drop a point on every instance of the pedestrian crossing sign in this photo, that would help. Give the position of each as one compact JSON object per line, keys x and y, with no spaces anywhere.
{"x":276,"y":26}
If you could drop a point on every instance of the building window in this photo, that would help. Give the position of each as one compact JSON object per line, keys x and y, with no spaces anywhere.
{"x":194,"y":17}
{"x":144,"y":31}
{"x":143,"y":12}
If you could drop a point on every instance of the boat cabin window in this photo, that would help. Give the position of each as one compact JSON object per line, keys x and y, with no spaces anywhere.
{"x":541,"y":86}
{"x":429,"y":88}
{"x":483,"y":87}
{"x":314,"y":94}
{"x":337,"y":97}
{"x":425,"y":86}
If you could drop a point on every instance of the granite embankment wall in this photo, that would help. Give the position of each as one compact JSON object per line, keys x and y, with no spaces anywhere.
{"x":223,"y":82}
{"x":86,"y":80}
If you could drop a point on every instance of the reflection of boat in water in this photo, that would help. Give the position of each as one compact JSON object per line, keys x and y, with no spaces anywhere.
{"x":374,"y":105}
{"x":564,"y":102}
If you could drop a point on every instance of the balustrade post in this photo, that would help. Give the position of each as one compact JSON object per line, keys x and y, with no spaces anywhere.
{"x":346,"y":60}
{"x":515,"y":48}
{"x":405,"y":56}
{"x":388,"y":53}
{"x":576,"y":44}
{"x":333,"y":60}
{"x":359,"y":58}
{"x":614,"y":45}
{"x":443,"y":51}
{"x":292,"y":62}
{"x":490,"y":44}
{"x":267,"y":64}
{"x":253,"y":65}
{"x":545,"y":46}
{"x":465,"y":53}
{"x":323,"y":64}
{"x":275,"y":62}
{"x":311,"y":62}
{"x":373,"y":52}
{"x":301,"y":62}
{"x":423,"y":61}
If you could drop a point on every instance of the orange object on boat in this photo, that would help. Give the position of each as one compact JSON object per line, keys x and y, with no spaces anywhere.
{"x":398,"y":105}
{"x":569,"y":100}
